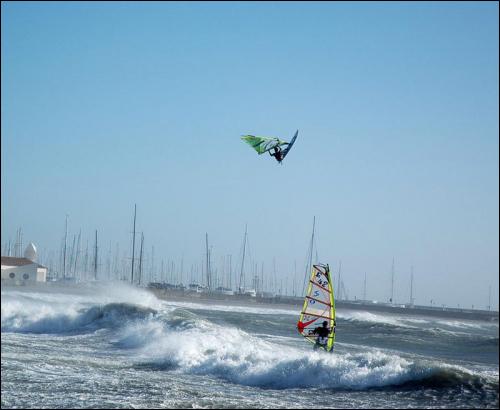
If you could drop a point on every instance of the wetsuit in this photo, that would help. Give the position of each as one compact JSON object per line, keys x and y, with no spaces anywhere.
{"x":322,"y":340}
{"x":278,"y":155}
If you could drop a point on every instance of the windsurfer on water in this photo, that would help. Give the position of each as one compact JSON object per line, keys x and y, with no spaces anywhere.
{"x":323,"y":333}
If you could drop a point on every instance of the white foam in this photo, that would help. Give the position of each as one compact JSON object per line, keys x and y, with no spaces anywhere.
{"x":54,"y":310}
{"x":466,"y":325}
{"x":362,"y":316}
{"x":233,"y":308}
{"x":232,"y":354}
{"x":88,"y":292}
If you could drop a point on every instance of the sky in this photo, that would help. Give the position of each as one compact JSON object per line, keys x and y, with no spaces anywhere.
{"x":109,"y":104}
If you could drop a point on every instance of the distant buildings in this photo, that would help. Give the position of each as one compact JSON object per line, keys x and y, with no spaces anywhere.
{"x":20,"y":271}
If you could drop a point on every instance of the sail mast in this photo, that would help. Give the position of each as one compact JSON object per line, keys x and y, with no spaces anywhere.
{"x":392,"y":281}
{"x":230,"y":274}
{"x":140,"y":258}
{"x":86,"y":266}
{"x":65,"y":238}
{"x":411,"y":287}
{"x":309,"y":258}
{"x":243,"y":259}
{"x":262,"y":280}
{"x":208,"y":266}
{"x":77,"y":250}
{"x":294,"y":276}
{"x":95,"y":257}
{"x":312,"y":243}
{"x":71,"y":255}
{"x":133,"y":246}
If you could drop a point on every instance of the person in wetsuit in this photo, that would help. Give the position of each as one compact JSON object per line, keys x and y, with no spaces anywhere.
{"x":323,"y":332}
{"x":277,"y":154}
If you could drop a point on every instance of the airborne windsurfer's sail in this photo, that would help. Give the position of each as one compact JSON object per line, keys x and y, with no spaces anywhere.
{"x":319,"y":308}
{"x":272,"y":145}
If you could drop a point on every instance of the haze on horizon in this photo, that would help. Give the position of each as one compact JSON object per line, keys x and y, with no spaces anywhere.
{"x":109,"y":105}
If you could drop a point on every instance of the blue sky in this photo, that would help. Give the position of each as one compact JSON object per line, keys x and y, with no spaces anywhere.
{"x":109,"y":104}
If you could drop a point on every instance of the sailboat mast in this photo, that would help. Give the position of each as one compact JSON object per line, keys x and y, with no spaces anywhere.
{"x":411,"y":287}
{"x":71,"y":255}
{"x":133,"y":246}
{"x":208,"y":267}
{"x":309,"y":258}
{"x":262,"y":280}
{"x":77,"y":251}
{"x":86,"y":267}
{"x":230,"y":274}
{"x":392,"y":281}
{"x":294,"y":276}
{"x":243,"y":259}
{"x":65,"y":238}
{"x":95,"y":257}
{"x":181,"y":273}
{"x":312,"y":243}
{"x":19,"y":243}
{"x":274,"y":284}
{"x":140,"y":258}
{"x":153,"y":272}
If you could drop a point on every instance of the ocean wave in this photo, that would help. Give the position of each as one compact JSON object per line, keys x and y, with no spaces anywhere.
{"x":203,"y":348}
{"x":80,"y":307}
{"x":373,"y":321}
{"x":452,"y":376}
{"x":87,"y":293}
{"x":52,"y":318}
{"x":418,"y":329}
{"x":233,"y":308}
{"x":462,"y":324}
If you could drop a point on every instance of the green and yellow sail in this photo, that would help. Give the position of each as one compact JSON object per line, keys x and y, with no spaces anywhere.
{"x":263,"y":144}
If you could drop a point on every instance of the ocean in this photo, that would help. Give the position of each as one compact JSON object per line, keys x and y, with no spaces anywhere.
{"x":99,"y":345}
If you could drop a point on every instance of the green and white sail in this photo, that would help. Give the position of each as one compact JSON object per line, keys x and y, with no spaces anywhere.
{"x":319,"y":306}
{"x":263,"y":144}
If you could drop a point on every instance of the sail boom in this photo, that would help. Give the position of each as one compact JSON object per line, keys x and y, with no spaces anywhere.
{"x":314,"y":336}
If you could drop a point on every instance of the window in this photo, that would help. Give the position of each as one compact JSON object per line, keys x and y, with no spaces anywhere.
{"x":26,"y":276}
{"x":12,"y":275}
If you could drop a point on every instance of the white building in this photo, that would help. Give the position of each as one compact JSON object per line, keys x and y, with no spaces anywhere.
{"x":21,"y":271}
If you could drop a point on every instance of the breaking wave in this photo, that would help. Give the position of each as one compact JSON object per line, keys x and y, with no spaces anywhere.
{"x":170,"y":338}
{"x":196,"y":346}
{"x":74,"y":321}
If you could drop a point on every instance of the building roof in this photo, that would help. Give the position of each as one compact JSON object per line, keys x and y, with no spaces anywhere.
{"x":12,"y":261}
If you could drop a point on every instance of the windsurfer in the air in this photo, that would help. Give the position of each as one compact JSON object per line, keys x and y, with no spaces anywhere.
{"x":278,"y":154}
{"x":323,"y":332}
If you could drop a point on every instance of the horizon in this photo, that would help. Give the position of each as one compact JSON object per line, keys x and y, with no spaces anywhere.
{"x":195,"y":272}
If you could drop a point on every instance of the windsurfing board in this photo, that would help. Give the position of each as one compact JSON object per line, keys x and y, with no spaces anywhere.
{"x":289,"y":146}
